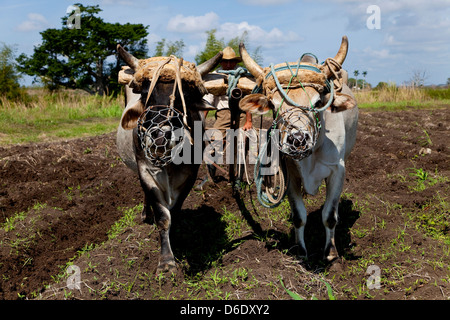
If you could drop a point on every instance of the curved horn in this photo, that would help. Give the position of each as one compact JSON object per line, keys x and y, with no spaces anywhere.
{"x":330,"y":65}
{"x":129,"y":59}
{"x":342,"y":53}
{"x":250,"y":64}
{"x":207,"y":66}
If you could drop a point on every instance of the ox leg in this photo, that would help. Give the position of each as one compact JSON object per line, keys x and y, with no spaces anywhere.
{"x":147,"y":212}
{"x":299,"y":216}
{"x":162,"y":218}
{"x":163,"y":221}
{"x":330,"y":216}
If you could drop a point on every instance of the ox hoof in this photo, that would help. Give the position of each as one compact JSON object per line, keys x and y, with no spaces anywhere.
{"x":166,"y":267}
{"x":331,"y":255}
{"x":301,"y":253}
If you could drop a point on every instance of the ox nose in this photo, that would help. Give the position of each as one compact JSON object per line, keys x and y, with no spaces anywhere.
{"x":162,"y":137}
{"x":299,"y":140}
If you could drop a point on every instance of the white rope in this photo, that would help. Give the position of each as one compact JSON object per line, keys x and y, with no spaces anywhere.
{"x":177,"y":84}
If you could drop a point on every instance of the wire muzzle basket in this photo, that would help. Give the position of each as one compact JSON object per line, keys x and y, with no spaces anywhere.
{"x":298,"y":131}
{"x":160,"y":131}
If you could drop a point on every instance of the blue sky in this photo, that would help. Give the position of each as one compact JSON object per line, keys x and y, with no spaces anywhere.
{"x":412,"y":35}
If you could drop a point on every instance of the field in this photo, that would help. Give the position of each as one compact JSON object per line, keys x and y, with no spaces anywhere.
{"x":71,"y":202}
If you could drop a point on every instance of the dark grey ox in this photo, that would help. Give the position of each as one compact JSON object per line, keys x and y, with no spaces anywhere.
{"x":326,"y":156}
{"x":150,"y":82}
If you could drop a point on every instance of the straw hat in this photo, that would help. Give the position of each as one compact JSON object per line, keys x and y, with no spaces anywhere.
{"x":229,"y":54}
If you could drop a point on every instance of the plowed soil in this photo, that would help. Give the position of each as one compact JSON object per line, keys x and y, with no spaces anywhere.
{"x":60,"y":198}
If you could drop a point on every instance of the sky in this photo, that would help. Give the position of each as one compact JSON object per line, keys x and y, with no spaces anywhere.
{"x":390,"y":40}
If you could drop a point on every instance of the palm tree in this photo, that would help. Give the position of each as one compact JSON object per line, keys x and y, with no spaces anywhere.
{"x":364,"y":75}
{"x":356,"y":73}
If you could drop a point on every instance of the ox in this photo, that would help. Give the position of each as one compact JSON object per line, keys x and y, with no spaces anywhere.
{"x":323,"y":145}
{"x":163,"y":85}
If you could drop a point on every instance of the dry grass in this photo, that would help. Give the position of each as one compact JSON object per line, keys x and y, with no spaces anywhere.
{"x":392,"y":96}
{"x":42,"y":100}
{"x":64,"y":114}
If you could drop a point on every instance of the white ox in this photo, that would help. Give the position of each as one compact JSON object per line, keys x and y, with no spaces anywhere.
{"x":152,"y":83}
{"x":327,"y":155}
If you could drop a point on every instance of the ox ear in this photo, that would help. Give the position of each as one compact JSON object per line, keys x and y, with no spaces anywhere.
{"x":342,"y":102}
{"x":131,"y":116}
{"x":255,"y":103}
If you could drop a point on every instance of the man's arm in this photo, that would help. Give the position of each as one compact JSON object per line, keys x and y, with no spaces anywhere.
{"x":248,"y":121}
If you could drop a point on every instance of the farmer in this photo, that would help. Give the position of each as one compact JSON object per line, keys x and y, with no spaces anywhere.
{"x":223,"y":114}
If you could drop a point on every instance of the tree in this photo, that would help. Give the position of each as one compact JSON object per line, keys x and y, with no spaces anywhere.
{"x":381,"y":85}
{"x":81,"y":58}
{"x":356,"y":74}
{"x":9,"y":78}
{"x":166,"y":49}
{"x":418,"y":78}
{"x":214,"y":45}
{"x":364,"y":73}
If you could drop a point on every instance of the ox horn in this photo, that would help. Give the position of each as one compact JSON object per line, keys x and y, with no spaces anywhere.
{"x":250,"y":64}
{"x":129,"y":59}
{"x":207,"y":66}
{"x":340,"y":56}
{"x":342,"y":53}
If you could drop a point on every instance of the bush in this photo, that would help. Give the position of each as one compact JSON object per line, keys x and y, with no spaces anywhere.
{"x":438,"y":93}
{"x":9,"y":78}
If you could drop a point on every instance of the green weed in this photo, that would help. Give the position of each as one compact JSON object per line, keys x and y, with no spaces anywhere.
{"x":127,"y":221}
{"x":425,"y":179}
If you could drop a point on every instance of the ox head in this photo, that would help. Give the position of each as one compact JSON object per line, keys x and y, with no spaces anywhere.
{"x":164,"y":96}
{"x":140,"y":77}
{"x":296,"y":91}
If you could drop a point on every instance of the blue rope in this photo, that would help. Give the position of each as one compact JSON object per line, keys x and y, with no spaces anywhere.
{"x":273,"y":71}
{"x":233,"y":77}
{"x":261,"y":195}
{"x":310,"y":54}
{"x":298,"y":65}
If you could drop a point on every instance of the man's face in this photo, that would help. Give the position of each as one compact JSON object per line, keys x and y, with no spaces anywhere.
{"x":228,"y":64}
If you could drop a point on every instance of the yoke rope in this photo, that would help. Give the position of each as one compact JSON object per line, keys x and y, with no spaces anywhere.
{"x":233,"y":77}
{"x":177,"y":84}
{"x":284,"y":94}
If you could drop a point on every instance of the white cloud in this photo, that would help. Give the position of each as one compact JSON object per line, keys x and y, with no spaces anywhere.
{"x":193,"y":24}
{"x":257,"y":35}
{"x":379,"y":54}
{"x":229,"y":30}
{"x":35,"y":22}
{"x":408,"y":26}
